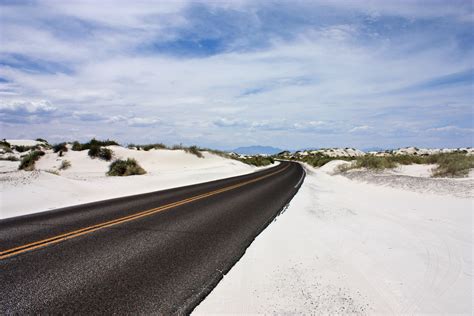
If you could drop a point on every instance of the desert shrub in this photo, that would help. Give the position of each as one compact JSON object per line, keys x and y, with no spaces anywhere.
{"x":28,"y":161}
{"x":10,"y":158}
{"x":76,"y":146}
{"x":5,"y":144}
{"x":127,"y":167}
{"x":105,"y":154}
{"x":374,"y":162}
{"x":319,"y":159}
{"x":406,"y":159}
{"x":176,"y":147}
{"x":258,"y":161}
{"x":194,"y":151}
{"x":61,"y":147}
{"x":452,"y":165}
{"x":153,"y":146}
{"x":22,"y":149}
{"x":52,"y":171}
{"x":42,"y":140}
{"x":64,"y":165}
{"x":100,"y":152}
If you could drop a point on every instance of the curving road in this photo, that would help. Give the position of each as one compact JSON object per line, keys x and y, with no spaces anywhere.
{"x":160,"y":252}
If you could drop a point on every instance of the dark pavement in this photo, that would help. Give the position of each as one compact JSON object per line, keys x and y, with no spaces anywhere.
{"x":163,"y":263}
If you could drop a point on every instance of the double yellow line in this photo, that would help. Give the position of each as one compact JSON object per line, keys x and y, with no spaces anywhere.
{"x":89,"y":229}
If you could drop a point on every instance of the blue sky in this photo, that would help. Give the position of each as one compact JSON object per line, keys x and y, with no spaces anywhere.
{"x":223,"y":74}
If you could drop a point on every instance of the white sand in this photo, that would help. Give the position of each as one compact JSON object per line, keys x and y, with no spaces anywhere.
{"x":23,"y":142}
{"x":85,"y":181}
{"x":344,"y":246}
{"x":424,"y":171}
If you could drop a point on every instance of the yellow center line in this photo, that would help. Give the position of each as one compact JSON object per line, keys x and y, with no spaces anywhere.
{"x":89,"y":229}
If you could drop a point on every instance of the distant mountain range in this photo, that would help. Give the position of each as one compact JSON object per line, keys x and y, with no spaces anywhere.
{"x":255,"y":150}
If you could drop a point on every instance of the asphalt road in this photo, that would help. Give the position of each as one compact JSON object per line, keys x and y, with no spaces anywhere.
{"x":159,"y":252}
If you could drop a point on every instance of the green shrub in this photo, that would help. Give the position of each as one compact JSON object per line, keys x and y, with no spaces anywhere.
{"x":4,"y":143}
{"x":127,"y":167}
{"x":61,"y":147}
{"x":374,"y":162}
{"x":76,"y":146}
{"x":65,"y":164}
{"x":176,"y":147}
{"x":41,"y":140}
{"x":153,"y":146}
{"x":452,"y":165}
{"x":258,"y":161}
{"x":194,"y":151}
{"x":319,"y":159}
{"x":21,"y":148}
{"x":28,"y":162}
{"x":101,"y":153}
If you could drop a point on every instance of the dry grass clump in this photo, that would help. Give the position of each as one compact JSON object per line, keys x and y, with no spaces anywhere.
{"x":194,"y":150}
{"x":65,"y":164}
{"x":123,"y":168}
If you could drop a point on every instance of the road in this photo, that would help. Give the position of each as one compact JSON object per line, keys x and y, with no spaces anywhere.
{"x":160,"y":252}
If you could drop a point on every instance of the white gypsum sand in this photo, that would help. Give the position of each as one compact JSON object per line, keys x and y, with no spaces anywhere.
{"x":25,"y":192}
{"x":344,"y":246}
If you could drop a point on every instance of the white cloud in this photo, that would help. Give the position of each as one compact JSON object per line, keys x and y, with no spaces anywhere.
{"x":26,"y":107}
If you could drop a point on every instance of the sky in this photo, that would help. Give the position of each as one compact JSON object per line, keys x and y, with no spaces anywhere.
{"x":224,"y":74}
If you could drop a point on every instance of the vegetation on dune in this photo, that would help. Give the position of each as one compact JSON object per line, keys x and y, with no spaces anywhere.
{"x":452,"y":165}
{"x":100,"y":152}
{"x":60,"y":148}
{"x":258,"y":161}
{"x":22,"y":149}
{"x":76,"y":146}
{"x":449,"y":164}
{"x":5,"y":144}
{"x":127,"y":167}
{"x":194,"y":150}
{"x":42,"y":140}
{"x":28,"y":162}
{"x":319,"y":160}
{"x":147,"y":147}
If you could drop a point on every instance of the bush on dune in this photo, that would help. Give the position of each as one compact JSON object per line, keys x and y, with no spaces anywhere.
{"x":100,"y":152}
{"x":320,"y":160}
{"x":127,"y":167}
{"x":258,"y":161}
{"x":76,"y":146}
{"x":28,"y":162}
{"x":452,"y":165}
{"x":22,"y":149}
{"x":194,"y":151}
{"x":60,"y":148}
{"x":5,"y":144}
